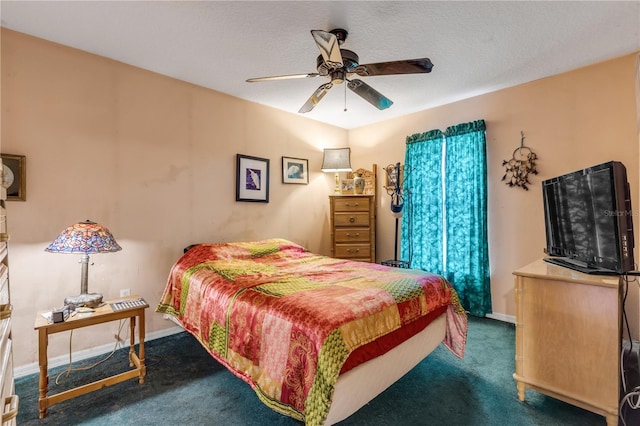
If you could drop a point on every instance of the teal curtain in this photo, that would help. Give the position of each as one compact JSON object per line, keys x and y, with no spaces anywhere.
{"x":467,"y":254}
{"x":422,"y":237}
{"x":445,"y":228}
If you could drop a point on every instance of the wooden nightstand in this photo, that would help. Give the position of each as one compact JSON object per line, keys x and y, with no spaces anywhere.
{"x":101,"y":315}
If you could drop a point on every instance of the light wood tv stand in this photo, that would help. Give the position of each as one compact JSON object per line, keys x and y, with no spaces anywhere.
{"x":568,"y":336}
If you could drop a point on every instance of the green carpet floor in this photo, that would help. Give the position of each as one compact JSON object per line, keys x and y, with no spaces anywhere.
{"x":185,"y":386}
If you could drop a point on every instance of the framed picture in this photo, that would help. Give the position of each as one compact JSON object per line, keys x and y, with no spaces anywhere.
{"x":295,"y":170}
{"x":347,"y":186}
{"x":14,"y":176}
{"x":252,"y":179}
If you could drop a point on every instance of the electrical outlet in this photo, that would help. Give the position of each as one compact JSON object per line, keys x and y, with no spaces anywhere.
{"x":125,"y":292}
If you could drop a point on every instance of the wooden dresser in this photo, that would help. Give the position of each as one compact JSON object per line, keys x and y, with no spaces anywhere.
{"x":568,"y":336}
{"x":7,"y":388}
{"x":353,"y":220}
{"x":353,"y":227}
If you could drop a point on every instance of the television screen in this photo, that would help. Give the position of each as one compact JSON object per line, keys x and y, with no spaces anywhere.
{"x":588,"y":220}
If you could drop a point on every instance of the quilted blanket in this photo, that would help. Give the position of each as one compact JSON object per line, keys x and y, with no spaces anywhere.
{"x":285,"y":320}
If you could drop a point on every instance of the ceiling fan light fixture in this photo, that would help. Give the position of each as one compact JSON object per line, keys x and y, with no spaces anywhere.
{"x":338,"y":76}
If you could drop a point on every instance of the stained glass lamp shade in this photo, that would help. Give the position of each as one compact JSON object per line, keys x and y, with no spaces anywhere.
{"x":337,"y":160}
{"x":84,"y":238}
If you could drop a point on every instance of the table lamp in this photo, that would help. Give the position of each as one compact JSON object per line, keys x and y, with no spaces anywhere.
{"x":84,"y":238}
{"x":337,"y":160}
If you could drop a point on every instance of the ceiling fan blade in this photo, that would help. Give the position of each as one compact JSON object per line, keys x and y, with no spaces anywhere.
{"x":329,"y":48}
{"x":369,"y":94}
{"x":282,"y":77}
{"x":316,"y":97}
{"x":409,"y":66}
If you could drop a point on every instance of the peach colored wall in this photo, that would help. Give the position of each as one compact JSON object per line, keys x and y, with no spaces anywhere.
{"x":571,"y":121}
{"x":150,"y":157}
{"x":153,"y":159}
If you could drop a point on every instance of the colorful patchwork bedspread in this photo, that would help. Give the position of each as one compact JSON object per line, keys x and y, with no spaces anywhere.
{"x":285,"y":320}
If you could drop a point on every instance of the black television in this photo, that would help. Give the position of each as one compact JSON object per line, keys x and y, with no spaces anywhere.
{"x":589,"y":221}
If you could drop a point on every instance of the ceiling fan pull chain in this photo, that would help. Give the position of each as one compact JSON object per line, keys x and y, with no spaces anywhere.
{"x":345,"y":97}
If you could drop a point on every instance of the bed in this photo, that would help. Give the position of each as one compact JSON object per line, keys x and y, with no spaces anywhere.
{"x":315,"y":337}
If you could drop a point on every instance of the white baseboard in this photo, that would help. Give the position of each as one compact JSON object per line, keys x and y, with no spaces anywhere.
{"x":25,"y":370}
{"x":502,"y":317}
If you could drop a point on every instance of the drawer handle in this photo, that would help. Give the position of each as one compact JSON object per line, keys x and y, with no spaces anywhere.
{"x":349,"y":205}
{"x":5,"y":311}
{"x":12,"y":402}
{"x":356,"y":235}
{"x":352,"y":219}
{"x":354,"y":250}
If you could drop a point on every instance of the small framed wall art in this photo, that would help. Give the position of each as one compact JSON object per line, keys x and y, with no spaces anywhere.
{"x":252,"y":179}
{"x":14,"y":176}
{"x":295,"y":170}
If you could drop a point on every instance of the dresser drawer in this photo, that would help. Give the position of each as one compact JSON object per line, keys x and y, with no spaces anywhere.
{"x":353,"y":251}
{"x":3,"y":220}
{"x":5,"y":323}
{"x":4,"y":284}
{"x":6,"y":379}
{"x":357,"y":235}
{"x":5,"y":359}
{"x":351,"y":219}
{"x":351,"y":204}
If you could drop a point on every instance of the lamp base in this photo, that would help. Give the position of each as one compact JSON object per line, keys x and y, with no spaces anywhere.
{"x":90,"y":300}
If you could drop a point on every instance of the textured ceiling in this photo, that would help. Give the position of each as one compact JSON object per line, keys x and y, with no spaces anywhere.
{"x":476,"y":47}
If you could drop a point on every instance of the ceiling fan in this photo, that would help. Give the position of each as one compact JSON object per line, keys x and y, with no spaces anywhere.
{"x":341,"y":64}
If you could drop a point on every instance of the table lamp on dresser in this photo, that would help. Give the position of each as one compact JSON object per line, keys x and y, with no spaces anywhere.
{"x":84,"y":238}
{"x":336,"y":160}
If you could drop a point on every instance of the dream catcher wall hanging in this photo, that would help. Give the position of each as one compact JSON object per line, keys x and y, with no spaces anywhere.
{"x":520,"y":166}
